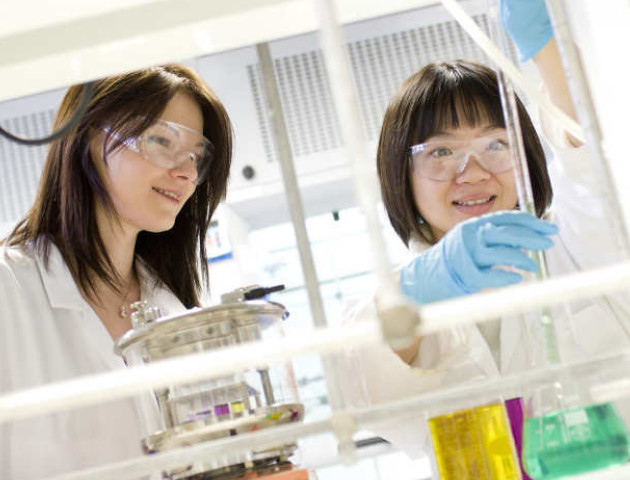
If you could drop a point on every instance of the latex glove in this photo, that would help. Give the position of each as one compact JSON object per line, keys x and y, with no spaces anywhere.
{"x":528,"y":23}
{"x":461,"y":262}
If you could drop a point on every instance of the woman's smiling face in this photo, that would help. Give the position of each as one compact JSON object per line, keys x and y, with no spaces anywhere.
{"x":474,"y":191}
{"x":146,"y":196}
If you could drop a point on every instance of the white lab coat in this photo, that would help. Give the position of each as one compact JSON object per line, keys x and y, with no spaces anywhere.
{"x":48,"y":333}
{"x":456,"y":355}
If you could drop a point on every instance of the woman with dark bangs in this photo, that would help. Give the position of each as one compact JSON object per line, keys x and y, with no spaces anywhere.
{"x":449,"y":191}
{"x":124,"y":203}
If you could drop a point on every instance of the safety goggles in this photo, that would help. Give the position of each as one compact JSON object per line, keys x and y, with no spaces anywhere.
{"x":171,"y":145}
{"x":445,"y":160}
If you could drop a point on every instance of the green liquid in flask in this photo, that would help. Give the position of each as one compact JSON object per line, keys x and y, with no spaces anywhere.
{"x":474,"y":444}
{"x":574,"y":441}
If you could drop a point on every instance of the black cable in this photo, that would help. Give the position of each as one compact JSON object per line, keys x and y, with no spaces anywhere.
{"x":260,"y":292}
{"x":368,"y":442}
{"x":86,"y":96}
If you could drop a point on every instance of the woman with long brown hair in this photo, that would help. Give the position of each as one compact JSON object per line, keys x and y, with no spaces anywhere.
{"x":121,"y":214}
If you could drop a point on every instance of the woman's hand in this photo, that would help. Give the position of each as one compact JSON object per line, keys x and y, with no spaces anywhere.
{"x":528,"y":23}
{"x":463,"y":261}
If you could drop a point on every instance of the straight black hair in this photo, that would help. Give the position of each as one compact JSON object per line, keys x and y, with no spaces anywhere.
{"x":439,"y":97}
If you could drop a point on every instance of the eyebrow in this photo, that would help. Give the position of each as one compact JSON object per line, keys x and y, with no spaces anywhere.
{"x":442,"y":133}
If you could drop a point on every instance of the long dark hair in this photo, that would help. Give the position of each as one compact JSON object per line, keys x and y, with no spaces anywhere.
{"x":64,"y":210}
{"x":439,"y":97}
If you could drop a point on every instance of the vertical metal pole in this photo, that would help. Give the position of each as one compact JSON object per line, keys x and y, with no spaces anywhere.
{"x":296,"y":210}
{"x":398,"y":319}
{"x":347,"y":106}
{"x":522,"y":179}
{"x":294,"y":199}
{"x":265,"y":379}
{"x":587,"y":115}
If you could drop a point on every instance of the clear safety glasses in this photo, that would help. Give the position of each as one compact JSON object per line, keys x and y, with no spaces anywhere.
{"x":170,"y":145}
{"x":445,"y":160}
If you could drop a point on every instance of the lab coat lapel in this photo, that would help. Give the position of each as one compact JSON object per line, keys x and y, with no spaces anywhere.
{"x":156,"y":293}
{"x":63,"y":293}
{"x":512,"y":349}
{"x":58,"y":282}
{"x":484,"y":357}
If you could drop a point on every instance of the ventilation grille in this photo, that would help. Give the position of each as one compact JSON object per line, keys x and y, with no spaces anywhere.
{"x":20,"y":165}
{"x":306,"y":100}
{"x":380,"y":65}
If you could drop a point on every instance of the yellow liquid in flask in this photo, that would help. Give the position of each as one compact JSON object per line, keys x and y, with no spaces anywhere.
{"x":474,"y":444}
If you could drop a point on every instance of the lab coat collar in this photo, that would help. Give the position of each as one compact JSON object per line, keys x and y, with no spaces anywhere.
{"x":417,"y":245}
{"x":63,"y":292}
{"x":60,"y":287}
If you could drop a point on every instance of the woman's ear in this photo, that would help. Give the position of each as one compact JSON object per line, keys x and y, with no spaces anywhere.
{"x":98,"y":147}
{"x":98,"y":151}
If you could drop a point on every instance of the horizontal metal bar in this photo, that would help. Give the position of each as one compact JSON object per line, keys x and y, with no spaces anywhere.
{"x":447,"y":398}
{"x":524,"y":298}
{"x":471,"y":309}
{"x":38,"y":55}
{"x":130,"y":381}
{"x":140,"y":466}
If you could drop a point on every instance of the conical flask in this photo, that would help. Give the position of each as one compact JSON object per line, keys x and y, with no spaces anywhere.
{"x":564,"y":431}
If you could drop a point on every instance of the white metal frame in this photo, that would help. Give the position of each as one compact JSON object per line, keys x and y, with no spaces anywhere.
{"x":48,"y":45}
{"x":339,"y":421}
{"x":243,"y":23}
{"x":467,"y":310}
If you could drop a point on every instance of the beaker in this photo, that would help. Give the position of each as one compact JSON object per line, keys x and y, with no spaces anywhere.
{"x":474,"y":444}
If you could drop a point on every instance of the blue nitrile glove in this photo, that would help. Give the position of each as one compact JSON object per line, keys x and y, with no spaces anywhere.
{"x":528,"y":23}
{"x":461,"y":262}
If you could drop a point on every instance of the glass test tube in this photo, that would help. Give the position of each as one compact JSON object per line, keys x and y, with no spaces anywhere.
{"x":562,"y":433}
{"x":522,"y":179}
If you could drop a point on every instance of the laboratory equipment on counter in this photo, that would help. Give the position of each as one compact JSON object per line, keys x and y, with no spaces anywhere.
{"x":258,"y":398}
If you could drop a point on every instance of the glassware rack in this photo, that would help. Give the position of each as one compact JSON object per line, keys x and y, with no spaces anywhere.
{"x":608,"y":375}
